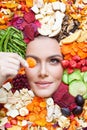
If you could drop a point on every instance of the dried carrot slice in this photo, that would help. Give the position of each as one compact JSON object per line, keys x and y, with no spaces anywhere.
{"x":31,"y":61}
{"x":66,"y":48}
{"x":75,"y":46}
{"x":82,"y":54}
{"x":67,"y":56}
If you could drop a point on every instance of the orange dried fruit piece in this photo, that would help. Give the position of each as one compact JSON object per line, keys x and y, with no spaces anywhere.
{"x":31,"y":61}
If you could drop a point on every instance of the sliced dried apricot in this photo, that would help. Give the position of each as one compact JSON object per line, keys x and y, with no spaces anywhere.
{"x":31,"y":61}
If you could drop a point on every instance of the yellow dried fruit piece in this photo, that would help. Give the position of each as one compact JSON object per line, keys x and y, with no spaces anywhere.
{"x":73,"y":37}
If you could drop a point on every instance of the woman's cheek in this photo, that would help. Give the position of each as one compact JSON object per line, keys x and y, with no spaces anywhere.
{"x":30,"y":73}
{"x":57,"y":72}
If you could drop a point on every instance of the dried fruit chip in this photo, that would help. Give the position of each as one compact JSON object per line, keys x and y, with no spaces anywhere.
{"x":31,"y":62}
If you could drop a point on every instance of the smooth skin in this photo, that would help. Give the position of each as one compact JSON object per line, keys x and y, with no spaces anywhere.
{"x":46,"y":76}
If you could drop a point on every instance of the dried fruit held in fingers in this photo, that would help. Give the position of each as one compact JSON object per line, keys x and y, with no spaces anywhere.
{"x":31,"y":61}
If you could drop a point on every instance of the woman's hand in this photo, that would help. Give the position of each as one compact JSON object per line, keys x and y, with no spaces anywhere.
{"x":9,"y":65}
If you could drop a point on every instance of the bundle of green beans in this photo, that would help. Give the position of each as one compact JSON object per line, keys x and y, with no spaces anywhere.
{"x":11,"y":40}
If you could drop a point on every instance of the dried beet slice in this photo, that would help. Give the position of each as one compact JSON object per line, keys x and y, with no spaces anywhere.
{"x":62,"y":89}
{"x":29,"y":31}
{"x":62,"y":96}
{"x":29,"y":17}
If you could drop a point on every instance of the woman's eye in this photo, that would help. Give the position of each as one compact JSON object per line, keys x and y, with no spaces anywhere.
{"x":54,"y":61}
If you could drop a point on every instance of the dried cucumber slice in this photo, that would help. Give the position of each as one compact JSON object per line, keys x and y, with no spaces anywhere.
{"x":77,"y":87}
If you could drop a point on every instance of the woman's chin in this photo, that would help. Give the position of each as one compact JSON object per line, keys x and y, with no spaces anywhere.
{"x":43,"y":94}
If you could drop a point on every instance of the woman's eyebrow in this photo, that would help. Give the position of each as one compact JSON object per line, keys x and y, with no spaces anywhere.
{"x":35,"y":57}
{"x":56,"y":55}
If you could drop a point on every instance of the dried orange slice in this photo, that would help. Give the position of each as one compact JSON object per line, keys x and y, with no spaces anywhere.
{"x":31,"y":61}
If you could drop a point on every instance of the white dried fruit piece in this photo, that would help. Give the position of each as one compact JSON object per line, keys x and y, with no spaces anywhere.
{"x":13,"y":113}
{"x":56,"y":5}
{"x":57,"y":111}
{"x":71,"y":38}
{"x":8,"y":106}
{"x":51,"y":21}
{"x":3,"y":121}
{"x":19,"y":105}
{"x":62,"y":7}
{"x":25,"y":97}
{"x":59,"y":16}
{"x":24,"y":90}
{"x":49,"y":9}
{"x":7,"y":86}
{"x":3,"y":95}
{"x":49,"y":119}
{"x":30,"y":92}
{"x":84,"y":1}
{"x":63,"y":122}
{"x":39,"y":3}
{"x":54,"y":33}
{"x":23,"y":111}
{"x":24,"y":122}
{"x":39,"y":16}
{"x":49,"y":101}
{"x":50,"y":111}
{"x":13,"y":100}
{"x":10,"y":94}
{"x":16,"y":94}
{"x":27,"y":102}
{"x":45,"y":30}
{"x":35,"y":9}
{"x":45,"y":19}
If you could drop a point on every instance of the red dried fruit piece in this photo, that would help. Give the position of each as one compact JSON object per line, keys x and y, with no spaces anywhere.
{"x":70,"y":70}
{"x":84,"y":68}
{"x":86,"y":62}
{"x":65,"y":63}
{"x":68,"y":100}
{"x":62,"y":89}
{"x":29,"y":31}
{"x":72,"y":64}
{"x":29,"y":16}
{"x":83,"y":62}
{"x":76,"y":58}
{"x":62,"y":96}
{"x":78,"y":65}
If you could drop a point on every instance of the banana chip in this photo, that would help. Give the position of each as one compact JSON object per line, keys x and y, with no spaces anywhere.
{"x":73,"y":37}
{"x":83,"y":37}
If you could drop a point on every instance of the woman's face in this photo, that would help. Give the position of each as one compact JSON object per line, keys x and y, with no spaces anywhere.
{"x":45,"y":77}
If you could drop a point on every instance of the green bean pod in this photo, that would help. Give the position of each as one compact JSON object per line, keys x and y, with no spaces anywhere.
{"x":19,"y":42}
{"x":3,"y":38}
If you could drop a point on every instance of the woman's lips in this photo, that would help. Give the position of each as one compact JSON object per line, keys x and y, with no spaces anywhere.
{"x":43,"y":84}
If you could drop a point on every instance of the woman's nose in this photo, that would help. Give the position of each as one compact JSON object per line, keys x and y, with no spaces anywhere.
{"x":43,"y":70}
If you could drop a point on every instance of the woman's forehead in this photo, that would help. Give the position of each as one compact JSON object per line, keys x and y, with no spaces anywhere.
{"x":43,"y":43}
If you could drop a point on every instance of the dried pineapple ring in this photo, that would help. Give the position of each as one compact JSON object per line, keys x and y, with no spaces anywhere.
{"x":31,"y":61}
